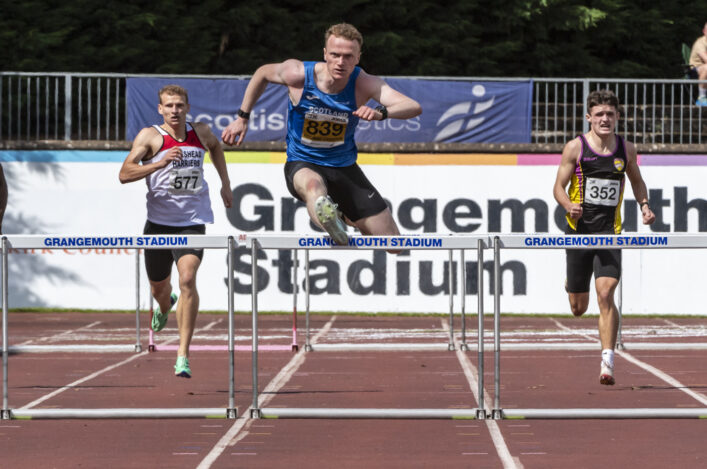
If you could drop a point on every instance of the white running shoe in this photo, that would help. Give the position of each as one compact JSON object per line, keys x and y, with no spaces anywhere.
{"x":329,"y":218}
{"x":606,"y":375}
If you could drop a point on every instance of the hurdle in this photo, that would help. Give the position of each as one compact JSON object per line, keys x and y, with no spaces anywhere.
{"x":447,"y":242}
{"x":122,"y":242}
{"x":530,"y":241}
{"x":294,"y":347}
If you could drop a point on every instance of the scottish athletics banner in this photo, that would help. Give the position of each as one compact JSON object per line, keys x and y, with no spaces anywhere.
{"x":453,"y":111}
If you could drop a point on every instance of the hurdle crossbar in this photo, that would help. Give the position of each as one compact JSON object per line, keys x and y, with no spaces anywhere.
{"x":605,"y":241}
{"x":122,"y":242}
{"x":449,"y":242}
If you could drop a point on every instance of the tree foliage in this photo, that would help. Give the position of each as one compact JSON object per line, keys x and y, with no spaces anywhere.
{"x":530,"y":38}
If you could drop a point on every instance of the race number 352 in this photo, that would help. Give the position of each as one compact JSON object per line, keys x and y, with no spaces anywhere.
{"x":602,"y":192}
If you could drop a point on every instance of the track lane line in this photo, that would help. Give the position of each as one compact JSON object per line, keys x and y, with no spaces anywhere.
{"x":471,"y":373}
{"x":701,"y":398}
{"x":59,"y":335}
{"x":100,"y":372}
{"x":234,"y":434}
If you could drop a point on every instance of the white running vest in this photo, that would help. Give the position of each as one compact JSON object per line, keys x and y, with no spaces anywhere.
{"x":177,"y":195}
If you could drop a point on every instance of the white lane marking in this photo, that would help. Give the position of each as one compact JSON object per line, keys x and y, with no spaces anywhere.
{"x":59,"y":335}
{"x":651,"y":369}
{"x":97,"y":373}
{"x":234,"y":434}
{"x":504,"y":454}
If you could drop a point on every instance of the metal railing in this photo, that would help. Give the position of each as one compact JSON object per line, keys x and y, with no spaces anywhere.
{"x":84,"y":106}
{"x":652,"y":111}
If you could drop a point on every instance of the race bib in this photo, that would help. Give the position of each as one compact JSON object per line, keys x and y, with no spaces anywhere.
{"x":324,"y":130}
{"x":185,"y":181}
{"x":602,"y":192}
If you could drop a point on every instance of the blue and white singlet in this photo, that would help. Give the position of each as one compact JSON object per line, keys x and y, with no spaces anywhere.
{"x":320,"y":128}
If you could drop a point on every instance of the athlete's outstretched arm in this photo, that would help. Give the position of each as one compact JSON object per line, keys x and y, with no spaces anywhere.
{"x":3,"y":196}
{"x":398,"y":105}
{"x":288,"y":73}
{"x":567,"y":166}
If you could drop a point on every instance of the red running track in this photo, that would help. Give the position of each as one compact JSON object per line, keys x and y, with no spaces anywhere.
{"x":372,"y":379}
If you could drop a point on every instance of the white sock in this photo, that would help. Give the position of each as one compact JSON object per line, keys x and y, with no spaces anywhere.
{"x":703,"y":92}
{"x":607,"y":356}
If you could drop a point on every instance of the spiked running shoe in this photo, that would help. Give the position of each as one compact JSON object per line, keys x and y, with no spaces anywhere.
{"x":181,"y":369}
{"x":606,"y":376}
{"x":329,"y":218}
{"x":159,"y":319}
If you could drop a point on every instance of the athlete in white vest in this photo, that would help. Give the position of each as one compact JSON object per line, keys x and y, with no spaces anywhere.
{"x":171,"y":159}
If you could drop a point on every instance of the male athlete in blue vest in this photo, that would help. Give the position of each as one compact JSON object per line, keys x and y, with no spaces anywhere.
{"x":595,"y":165}
{"x":326,"y":101}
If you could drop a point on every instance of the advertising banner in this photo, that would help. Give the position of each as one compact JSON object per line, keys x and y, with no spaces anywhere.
{"x":453,"y":111}
{"x":82,"y":197}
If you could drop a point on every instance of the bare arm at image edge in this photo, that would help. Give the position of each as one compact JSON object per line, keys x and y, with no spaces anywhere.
{"x":3,"y":196}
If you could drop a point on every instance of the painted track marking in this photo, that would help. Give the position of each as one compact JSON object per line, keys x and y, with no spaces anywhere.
{"x":59,"y":335}
{"x":649,"y":368}
{"x":98,"y":373}
{"x":504,"y":454}
{"x":234,"y":434}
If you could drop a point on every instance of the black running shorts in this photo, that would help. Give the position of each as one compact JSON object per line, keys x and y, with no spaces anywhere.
{"x":158,"y":262}
{"x":582,"y":263}
{"x":347,"y":186}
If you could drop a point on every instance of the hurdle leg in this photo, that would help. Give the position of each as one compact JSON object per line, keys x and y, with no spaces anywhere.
{"x":307,"y":345}
{"x":620,"y":300}
{"x":151,"y":343}
{"x":295,"y":287}
{"x":450,"y":347}
{"x":5,"y":408}
{"x":254,"y":411}
{"x":462,"y":262}
{"x":138,"y":346}
{"x":481,"y":414}
{"x":497,"y":412}
{"x":231,"y":412}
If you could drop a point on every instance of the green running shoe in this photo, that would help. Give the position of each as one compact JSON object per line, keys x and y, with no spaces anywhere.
{"x":329,"y":217}
{"x":181,"y":369}
{"x":159,"y":319}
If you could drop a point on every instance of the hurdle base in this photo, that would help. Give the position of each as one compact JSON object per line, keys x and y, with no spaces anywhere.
{"x":66,"y":348}
{"x":128,"y":413}
{"x":385,"y":347}
{"x":638,"y":413}
{"x":295,"y":348}
{"x":339,"y":413}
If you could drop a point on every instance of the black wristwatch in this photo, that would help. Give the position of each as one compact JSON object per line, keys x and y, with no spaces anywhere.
{"x":243,"y":114}
{"x":384,"y":111}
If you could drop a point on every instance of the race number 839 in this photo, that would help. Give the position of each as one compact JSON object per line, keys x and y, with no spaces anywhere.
{"x":602,"y":192}
{"x":323,"y":131}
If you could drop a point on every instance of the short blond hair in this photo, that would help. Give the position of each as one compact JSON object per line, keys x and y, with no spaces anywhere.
{"x":345,"y":31}
{"x":174,"y":90}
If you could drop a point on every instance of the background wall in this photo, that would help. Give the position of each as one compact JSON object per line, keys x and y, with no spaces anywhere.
{"x":78,"y":193}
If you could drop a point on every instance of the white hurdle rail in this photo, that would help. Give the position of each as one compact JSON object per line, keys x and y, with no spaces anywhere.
{"x":623,"y":241}
{"x":402,"y":242}
{"x":121,"y":242}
